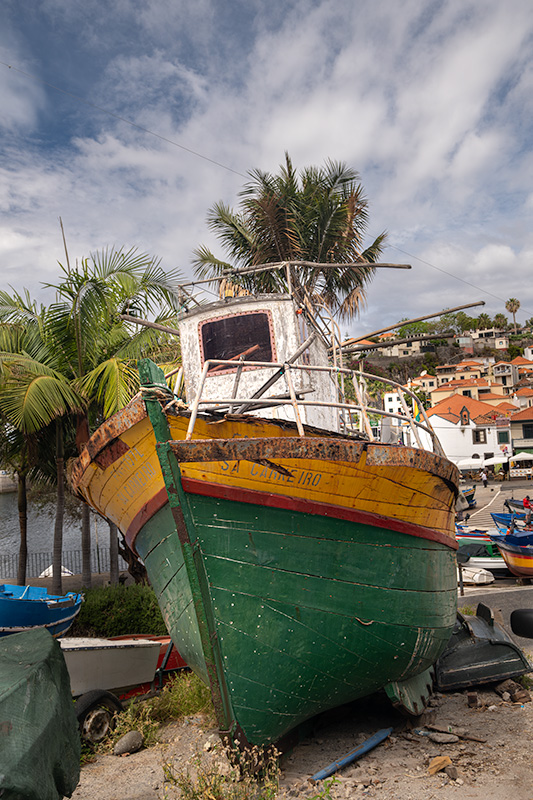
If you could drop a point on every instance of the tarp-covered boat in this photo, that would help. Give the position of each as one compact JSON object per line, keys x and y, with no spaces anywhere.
{"x":300,"y":560}
{"x":39,"y":739}
{"x":26,"y":607}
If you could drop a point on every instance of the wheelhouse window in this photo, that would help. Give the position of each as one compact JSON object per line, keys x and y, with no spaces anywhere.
{"x":246,"y":335}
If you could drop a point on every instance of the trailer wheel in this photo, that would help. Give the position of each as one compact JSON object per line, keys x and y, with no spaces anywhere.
{"x":96,"y":711}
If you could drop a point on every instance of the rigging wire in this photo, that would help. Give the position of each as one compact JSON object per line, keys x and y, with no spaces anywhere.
{"x":123,"y":119}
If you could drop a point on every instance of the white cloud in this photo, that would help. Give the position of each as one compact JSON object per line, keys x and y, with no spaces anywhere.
{"x":431,"y":104}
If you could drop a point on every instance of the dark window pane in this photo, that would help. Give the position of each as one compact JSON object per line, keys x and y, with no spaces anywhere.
{"x":247,"y":335}
{"x":527,"y":431}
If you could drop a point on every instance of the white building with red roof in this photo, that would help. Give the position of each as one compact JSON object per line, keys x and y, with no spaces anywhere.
{"x":470,"y":429}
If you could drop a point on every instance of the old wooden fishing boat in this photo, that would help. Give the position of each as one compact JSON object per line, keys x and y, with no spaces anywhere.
{"x":301,"y":559}
{"x":26,"y":607}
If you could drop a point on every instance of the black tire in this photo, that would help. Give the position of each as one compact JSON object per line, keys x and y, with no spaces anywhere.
{"x":96,"y":711}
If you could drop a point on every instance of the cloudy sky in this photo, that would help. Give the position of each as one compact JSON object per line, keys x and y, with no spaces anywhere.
{"x":129,"y":119}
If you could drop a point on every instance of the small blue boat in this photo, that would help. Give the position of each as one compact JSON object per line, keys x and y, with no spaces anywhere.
{"x":25,"y":607}
{"x":504,"y":520}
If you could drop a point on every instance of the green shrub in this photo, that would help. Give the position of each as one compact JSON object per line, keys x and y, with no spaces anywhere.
{"x":118,"y":611}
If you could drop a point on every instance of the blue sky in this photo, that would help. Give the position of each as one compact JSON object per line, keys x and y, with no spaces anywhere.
{"x":430,"y":101}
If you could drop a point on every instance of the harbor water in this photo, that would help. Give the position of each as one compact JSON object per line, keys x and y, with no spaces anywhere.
{"x":40,"y":537}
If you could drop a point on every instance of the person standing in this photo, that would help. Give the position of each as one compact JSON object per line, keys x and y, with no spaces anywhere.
{"x":484,"y":478}
{"x":527,"y":508}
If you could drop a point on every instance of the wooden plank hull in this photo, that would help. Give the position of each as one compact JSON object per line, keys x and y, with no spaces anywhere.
{"x":519,"y":559}
{"x":292,"y":578}
{"x":308,"y":613}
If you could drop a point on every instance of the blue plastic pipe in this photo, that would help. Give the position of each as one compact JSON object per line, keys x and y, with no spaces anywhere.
{"x":363,"y":748}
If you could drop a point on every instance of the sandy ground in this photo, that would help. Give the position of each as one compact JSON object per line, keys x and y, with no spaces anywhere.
{"x":498,"y":767}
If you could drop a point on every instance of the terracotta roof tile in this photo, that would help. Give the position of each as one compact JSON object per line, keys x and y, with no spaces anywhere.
{"x":525,"y":414}
{"x":450,"y":408}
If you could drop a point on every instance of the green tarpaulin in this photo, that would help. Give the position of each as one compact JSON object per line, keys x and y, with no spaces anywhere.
{"x":39,"y":739}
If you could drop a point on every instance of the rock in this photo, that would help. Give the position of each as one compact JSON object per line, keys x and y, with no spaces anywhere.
{"x":443,"y":738}
{"x":438,"y":763}
{"x":452,"y":772}
{"x":129,"y":743}
{"x":506,"y":697}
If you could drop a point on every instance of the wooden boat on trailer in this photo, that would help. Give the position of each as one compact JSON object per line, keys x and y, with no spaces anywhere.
{"x":300,"y":562}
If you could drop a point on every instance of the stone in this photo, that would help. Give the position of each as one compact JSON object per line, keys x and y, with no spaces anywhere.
{"x":443,"y":738}
{"x":129,"y":743}
{"x":452,"y":772}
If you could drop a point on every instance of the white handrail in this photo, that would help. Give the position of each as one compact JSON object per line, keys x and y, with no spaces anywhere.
{"x":360,"y":407}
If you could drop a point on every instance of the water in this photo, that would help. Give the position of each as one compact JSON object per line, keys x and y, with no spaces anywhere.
{"x":41,"y":529}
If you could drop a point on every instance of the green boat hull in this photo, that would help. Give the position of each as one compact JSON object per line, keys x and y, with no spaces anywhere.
{"x":290,"y":614}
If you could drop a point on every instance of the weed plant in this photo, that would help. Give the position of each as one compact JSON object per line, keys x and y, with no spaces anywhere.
{"x":183,"y":696}
{"x":119,"y":611}
{"x":217,"y":780}
{"x":214,"y":780}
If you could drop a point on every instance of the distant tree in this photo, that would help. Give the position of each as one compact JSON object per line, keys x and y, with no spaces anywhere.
{"x":484,"y":322}
{"x":416,"y":329}
{"x":515,"y":351}
{"x":529,"y":323}
{"x":512,"y":306}
{"x":501,"y":322}
{"x":464,"y":322}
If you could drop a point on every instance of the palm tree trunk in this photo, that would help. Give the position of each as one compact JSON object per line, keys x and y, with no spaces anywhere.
{"x":23,"y":523}
{"x":86,"y":574}
{"x":57,"y":587}
{"x":113,"y":554}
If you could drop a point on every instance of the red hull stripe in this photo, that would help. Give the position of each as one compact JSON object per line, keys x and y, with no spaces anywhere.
{"x":308,"y":507}
{"x":147,"y":512}
{"x":287,"y":504}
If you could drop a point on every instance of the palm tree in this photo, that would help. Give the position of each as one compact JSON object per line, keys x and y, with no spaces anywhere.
{"x":98,"y":349}
{"x":33,"y":393}
{"x":501,"y":322}
{"x":484,"y":322}
{"x":319,"y":215}
{"x":512,"y":306}
{"x":77,"y":358}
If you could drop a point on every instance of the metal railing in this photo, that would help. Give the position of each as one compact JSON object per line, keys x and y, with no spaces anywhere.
{"x":37,"y":563}
{"x":361,"y":407}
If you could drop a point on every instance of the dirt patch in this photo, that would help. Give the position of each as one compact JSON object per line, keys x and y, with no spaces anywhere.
{"x":498,"y":766}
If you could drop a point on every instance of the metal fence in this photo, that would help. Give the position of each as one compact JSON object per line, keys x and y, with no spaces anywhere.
{"x":71,"y":559}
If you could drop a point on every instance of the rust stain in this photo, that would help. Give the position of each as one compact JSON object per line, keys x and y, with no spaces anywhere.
{"x":320,"y":448}
{"x":111,"y":453}
{"x":107,"y":432}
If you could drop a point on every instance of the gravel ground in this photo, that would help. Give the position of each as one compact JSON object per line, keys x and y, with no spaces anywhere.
{"x":498,"y":767}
